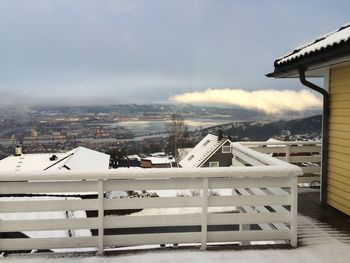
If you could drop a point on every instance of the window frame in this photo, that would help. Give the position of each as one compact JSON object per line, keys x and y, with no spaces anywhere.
{"x":222,"y":149}
{"x":217,"y":164}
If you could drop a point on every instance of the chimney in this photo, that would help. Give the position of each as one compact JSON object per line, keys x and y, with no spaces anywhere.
{"x":18,"y":150}
{"x":220,"y":134}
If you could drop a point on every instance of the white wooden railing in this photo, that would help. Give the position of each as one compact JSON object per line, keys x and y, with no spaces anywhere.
{"x":305,"y":154}
{"x":261,"y":206}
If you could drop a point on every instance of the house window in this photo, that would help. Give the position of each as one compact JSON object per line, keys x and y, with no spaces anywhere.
{"x":226,"y":149}
{"x":206,"y":143}
{"x":190,"y":158}
{"x":213,"y":164}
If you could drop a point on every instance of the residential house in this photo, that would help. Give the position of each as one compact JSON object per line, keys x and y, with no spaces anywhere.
{"x":328,"y":57}
{"x":158,"y":162}
{"x":78,"y":159}
{"x":211,"y":151}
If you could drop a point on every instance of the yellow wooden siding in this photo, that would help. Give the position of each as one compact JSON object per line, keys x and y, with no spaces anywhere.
{"x":340,"y":127}
{"x":338,"y":134}
{"x":339,"y":89}
{"x":338,"y":163}
{"x":339,"y":120}
{"x":339,"y":171}
{"x":339,"y":141}
{"x":341,"y":194}
{"x":340,"y":72}
{"x":339,"y":104}
{"x":338,"y":194}
{"x":345,"y":96}
{"x":342,"y":184}
{"x":340,"y":112}
{"x":339,"y":206}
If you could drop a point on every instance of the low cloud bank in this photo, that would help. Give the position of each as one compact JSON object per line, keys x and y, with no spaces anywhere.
{"x":269,"y":101}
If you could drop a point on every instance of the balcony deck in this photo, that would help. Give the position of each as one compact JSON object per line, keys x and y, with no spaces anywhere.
{"x":333,"y":226}
{"x":263,"y":188}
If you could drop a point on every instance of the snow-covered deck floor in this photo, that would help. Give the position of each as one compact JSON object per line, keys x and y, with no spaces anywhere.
{"x":323,"y":236}
{"x":319,"y":242}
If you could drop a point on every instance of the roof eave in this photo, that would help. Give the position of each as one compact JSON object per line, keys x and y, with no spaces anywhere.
{"x":320,"y":59}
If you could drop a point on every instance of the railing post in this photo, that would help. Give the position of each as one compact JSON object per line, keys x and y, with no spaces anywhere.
{"x":204,"y":227}
{"x":294,"y":211}
{"x":100,"y":217}
{"x":288,"y":153}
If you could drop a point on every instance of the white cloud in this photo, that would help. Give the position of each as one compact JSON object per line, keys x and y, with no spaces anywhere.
{"x":269,"y":101}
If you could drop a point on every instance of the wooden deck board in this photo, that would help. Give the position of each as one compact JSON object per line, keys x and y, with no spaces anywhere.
{"x":309,"y":205}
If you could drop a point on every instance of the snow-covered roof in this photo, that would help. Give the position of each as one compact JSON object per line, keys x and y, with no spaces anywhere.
{"x":85,"y":159}
{"x":274,"y":140}
{"x":278,"y":143}
{"x":80,"y":158}
{"x":183,"y":152}
{"x":29,"y":162}
{"x":329,"y":40}
{"x":160,"y":160}
{"x":158,"y":154}
{"x":202,"y":151}
{"x":134,"y":157}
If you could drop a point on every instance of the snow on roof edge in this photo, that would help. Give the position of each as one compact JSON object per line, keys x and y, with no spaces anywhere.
{"x":328,"y":40}
{"x":202,"y":151}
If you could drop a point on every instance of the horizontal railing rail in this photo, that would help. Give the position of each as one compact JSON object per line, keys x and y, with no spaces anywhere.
{"x":305,"y":154}
{"x":102,"y":222}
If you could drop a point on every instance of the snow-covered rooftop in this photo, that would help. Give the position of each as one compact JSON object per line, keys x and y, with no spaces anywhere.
{"x":85,"y":159}
{"x":30,"y":162}
{"x":319,"y":243}
{"x":329,"y":40}
{"x":278,"y":143}
{"x":79,"y":159}
{"x":134,"y":157}
{"x":202,"y":151}
{"x":160,"y":160}
{"x":183,"y":152}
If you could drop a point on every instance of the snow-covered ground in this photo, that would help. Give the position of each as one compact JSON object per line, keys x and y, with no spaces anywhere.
{"x":46,"y":215}
{"x":335,"y":253}
{"x":183,"y":210}
{"x":318,"y":243}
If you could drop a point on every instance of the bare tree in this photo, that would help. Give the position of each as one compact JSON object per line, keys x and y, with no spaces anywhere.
{"x":176,"y":129}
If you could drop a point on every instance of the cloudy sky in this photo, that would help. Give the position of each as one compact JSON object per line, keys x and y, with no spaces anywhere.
{"x":121,"y":51}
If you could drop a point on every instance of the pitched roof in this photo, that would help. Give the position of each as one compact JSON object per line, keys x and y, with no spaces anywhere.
{"x":80,"y":158}
{"x":183,"y":152}
{"x":134,"y":157}
{"x":322,"y":43}
{"x":202,"y":151}
{"x":85,"y":159}
{"x":329,"y":46}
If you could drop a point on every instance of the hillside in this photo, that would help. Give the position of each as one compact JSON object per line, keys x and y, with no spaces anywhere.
{"x":266,"y":130}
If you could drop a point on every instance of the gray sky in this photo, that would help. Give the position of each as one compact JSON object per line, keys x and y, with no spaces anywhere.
{"x":84,"y":51}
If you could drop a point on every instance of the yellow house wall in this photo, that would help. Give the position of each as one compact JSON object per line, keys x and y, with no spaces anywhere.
{"x":338,"y":195}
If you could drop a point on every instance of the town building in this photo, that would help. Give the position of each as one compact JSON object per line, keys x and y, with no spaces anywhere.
{"x":158,"y":162}
{"x":78,"y":159}
{"x":211,"y":151}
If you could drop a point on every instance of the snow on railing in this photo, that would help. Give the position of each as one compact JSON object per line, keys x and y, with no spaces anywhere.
{"x":305,"y":154}
{"x":212,"y":214}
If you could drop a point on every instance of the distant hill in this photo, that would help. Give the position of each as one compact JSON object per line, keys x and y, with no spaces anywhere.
{"x":311,"y":124}
{"x":266,"y":130}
